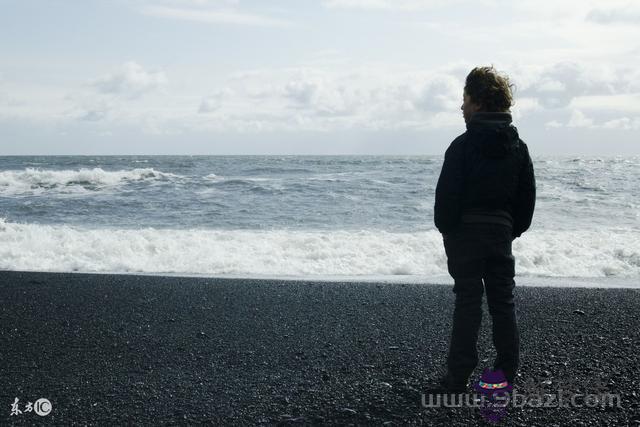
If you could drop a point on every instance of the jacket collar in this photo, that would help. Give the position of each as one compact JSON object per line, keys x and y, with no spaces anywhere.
{"x":484,"y":120}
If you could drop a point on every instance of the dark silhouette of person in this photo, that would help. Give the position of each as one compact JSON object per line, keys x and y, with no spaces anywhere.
{"x":485,"y":198}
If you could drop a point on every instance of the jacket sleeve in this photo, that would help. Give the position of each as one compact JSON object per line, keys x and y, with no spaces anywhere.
{"x":446,"y":211}
{"x":526,"y":196}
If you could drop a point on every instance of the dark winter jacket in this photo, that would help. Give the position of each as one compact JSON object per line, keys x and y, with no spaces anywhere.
{"x":487,"y":176}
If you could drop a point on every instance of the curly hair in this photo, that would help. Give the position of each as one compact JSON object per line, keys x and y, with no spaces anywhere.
{"x":489,"y":89}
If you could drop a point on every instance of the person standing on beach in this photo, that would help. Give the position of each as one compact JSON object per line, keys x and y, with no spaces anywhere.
{"x":485,"y":198}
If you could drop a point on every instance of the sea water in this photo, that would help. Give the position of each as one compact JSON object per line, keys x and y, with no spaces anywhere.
{"x":318,"y":217}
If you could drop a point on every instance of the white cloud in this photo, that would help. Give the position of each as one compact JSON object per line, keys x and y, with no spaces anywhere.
{"x":579,"y":120}
{"x":191,"y":2}
{"x":524,"y":106}
{"x":325,"y":95}
{"x":557,"y":85}
{"x":553,"y":124}
{"x":303,"y":99}
{"x":87,"y":106}
{"x":629,"y":15}
{"x":215,"y":101}
{"x":551,"y":86}
{"x":624,"y":123}
{"x":209,"y":105}
{"x":302,"y":91}
{"x":368,"y":97}
{"x":116,"y":97}
{"x":216,"y":16}
{"x":399,"y":5}
{"x":625,"y":103}
{"x":442,"y":93}
{"x":130,"y":80}
{"x":357,"y":96}
{"x":93,"y":115}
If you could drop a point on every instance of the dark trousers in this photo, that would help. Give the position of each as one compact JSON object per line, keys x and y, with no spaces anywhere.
{"x":478,"y":253}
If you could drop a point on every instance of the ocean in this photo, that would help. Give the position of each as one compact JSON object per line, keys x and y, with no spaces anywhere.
{"x":310,"y":217}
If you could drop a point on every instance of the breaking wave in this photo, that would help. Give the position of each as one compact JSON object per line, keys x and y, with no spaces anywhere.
{"x":539,"y":253}
{"x":35,"y":181}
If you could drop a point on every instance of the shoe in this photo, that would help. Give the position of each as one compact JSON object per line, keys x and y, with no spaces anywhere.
{"x":507,"y":375}
{"x":446,"y":385}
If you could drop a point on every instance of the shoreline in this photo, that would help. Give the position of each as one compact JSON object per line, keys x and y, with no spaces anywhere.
{"x":610,"y":282}
{"x":107,"y":349}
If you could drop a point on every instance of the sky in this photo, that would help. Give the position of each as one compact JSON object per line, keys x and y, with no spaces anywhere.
{"x":311,"y":76}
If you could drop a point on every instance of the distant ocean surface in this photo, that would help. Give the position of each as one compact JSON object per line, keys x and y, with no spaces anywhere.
{"x":354,"y":217}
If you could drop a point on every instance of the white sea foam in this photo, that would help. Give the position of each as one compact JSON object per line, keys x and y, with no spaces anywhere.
{"x":37,"y":181}
{"x":611,"y":253}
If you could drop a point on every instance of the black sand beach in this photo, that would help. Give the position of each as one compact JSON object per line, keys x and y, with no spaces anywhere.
{"x":119,"y":349}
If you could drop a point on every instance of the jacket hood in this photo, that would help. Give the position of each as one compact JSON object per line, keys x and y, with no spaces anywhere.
{"x":493,"y":133}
